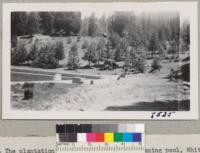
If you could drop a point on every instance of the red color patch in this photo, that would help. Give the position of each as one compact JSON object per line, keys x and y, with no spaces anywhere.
{"x":99,"y":137}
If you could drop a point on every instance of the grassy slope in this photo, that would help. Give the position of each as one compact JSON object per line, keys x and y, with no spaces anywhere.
{"x":153,"y":91}
{"x":113,"y":94}
{"x":45,"y":96}
{"x":45,"y":39}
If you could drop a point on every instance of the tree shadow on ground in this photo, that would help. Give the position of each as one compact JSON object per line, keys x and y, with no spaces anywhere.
{"x":169,"y":105}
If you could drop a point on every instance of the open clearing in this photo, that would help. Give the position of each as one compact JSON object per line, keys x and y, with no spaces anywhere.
{"x":145,"y":91}
{"x":136,"y":92}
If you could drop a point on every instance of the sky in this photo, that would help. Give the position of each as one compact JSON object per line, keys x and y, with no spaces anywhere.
{"x":186,"y":9}
{"x":183,"y":15}
{"x":137,"y":8}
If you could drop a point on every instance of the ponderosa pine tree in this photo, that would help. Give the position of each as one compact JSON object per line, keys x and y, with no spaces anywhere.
{"x":32,"y":26}
{"x":46,"y":21}
{"x":18,"y":26}
{"x":153,"y":44}
{"x":114,"y":39}
{"x":67,"y":23}
{"x":136,"y":46}
{"x":118,"y":53}
{"x":91,"y":53}
{"x":100,"y":48}
{"x":33,"y":51}
{"x":59,"y":50}
{"x":18,"y":23}
{"x":18,"y":54}
{"x":118,"y":22}
{"x":107,"y":49}
{"x":185,"y":36}
{"x":92,"y":26}
{"x":73,"y":60}
{"x":46,"y":57}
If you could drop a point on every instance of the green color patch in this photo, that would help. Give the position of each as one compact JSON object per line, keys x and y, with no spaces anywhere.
{"x":118,"y":137}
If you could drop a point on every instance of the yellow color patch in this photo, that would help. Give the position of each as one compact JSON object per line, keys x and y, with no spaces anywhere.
{"x":108,"y":137}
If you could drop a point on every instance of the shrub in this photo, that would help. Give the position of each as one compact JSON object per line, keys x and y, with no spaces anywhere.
{"x":185,"y":72}
{"x":59,"y":50}
{"x":61,"y":32}
{"x":73,"y":60}
{"x":46,"y":57}
{"x":18,"y":54}
{"x":155,"y":64}
{"x":69,"y":40}
{"x":33,"y":52}
{"x":85,"y":44}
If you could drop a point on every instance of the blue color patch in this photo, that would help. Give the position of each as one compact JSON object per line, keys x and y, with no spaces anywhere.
{"x":137,"y":137}
{"x":127,"y":137}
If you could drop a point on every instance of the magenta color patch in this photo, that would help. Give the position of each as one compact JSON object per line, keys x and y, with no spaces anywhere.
{"x":91,"y":137}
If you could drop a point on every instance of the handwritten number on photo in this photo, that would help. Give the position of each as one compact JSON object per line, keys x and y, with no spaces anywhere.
{"x":162,"y":114}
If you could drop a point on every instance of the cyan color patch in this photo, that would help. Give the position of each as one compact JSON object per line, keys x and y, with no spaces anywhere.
{"x":127,"y":137}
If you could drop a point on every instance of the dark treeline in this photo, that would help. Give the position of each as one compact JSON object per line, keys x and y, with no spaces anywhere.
{"x":133,"y":38}
{"x":50,"y":23}
{"x":124,"y":36}
{"x":153,"y":31}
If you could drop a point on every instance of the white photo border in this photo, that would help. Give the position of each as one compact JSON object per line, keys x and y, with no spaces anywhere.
{"x":192,"y":10}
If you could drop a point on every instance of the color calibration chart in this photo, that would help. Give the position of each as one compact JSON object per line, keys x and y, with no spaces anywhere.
{"x":100,"y":138}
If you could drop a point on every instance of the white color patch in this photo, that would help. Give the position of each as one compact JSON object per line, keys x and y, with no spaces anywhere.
{"x":81,"y":137}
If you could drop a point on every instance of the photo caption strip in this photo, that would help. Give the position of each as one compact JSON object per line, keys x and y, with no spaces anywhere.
{"x":100,"y":138}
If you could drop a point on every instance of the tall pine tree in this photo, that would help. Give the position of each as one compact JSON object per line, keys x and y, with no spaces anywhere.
{"x":46,"y":22}
{"x":33,"y":23}
{"x":73,"y":60}
{"x":18,"y":23}
{"x":92,"y":26}
{"x":153,"y":44}
{"x":91,"y":53}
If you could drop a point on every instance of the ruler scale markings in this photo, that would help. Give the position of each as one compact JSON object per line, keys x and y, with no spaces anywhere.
{"x":99,"y":137}
{"x":96,"y":137}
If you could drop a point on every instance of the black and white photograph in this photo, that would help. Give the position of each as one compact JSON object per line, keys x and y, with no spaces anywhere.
{"x":120,"y":59}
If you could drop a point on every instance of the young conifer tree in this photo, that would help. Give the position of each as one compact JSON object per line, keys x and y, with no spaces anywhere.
{"x":73,"y":60}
